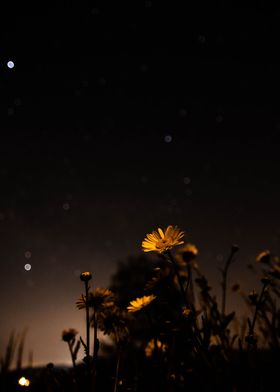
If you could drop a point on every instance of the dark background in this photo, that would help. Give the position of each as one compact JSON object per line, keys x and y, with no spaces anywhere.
{"x":117,"y":119}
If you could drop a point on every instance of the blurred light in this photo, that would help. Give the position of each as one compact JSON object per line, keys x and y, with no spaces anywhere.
{"x":168,"y":138}
{"x":201,"y":39}
{"x":10,"y":64}
{"x":143,"y":68}
{"x":27,"y":254}
{"x":17,"y":101}
{"x":27,"y":267}
{"x":24,"y":382}
{"x":66,"y":206}
{"x":187,"y":180}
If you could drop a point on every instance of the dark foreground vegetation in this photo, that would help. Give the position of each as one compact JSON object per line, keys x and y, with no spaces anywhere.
{"x":166,"y":329}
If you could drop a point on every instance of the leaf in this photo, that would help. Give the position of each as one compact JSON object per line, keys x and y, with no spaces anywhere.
{"x":227,"y":320}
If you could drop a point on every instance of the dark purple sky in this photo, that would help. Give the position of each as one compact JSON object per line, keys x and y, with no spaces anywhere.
{"x":115,"y":121}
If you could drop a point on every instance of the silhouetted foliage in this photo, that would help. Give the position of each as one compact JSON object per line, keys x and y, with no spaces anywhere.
{"x":167,"y":329}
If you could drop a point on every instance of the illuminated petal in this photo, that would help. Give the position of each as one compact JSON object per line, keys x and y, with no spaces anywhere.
{"x":161,"y":232}
{"x":140,"y":303}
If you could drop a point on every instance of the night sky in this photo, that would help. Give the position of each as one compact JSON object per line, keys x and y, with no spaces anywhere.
{"x":116,"y":120}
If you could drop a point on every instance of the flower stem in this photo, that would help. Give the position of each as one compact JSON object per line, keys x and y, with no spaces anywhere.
{"x":88,"y":361}
{"x":87,"y":319}
{"x":117,"y":371}
{"x":70,"y":345}
{"x":234,"y":249}
{"x":176,"y":270}
{"x":251,"y":331}
{"x":189,"y":288}
{"x":95,"y":348}
{"x":194,"y":334}
{"x":95,"y":340}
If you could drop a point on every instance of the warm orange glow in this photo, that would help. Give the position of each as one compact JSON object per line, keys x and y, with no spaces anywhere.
{"x":160,"y":241}
{"x":24,"y":382}
{"x":149,"y":349}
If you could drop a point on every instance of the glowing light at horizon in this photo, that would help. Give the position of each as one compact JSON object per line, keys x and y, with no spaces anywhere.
{"x":24,"y":382}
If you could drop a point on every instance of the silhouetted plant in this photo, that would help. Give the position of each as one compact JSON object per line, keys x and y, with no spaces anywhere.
{"x":167,"y":329}
{"x":69,"y":336}
{"x":6,"y":362}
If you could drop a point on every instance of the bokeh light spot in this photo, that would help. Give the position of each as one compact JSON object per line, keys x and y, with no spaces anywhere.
{"x":27,"y":267}
{"x":168,"y":138}
{"x":10,"y":64}
{"x":24,"y":382}
{"x":143,"y":68}
{"x":27,"y":254}
{"x":187,"y":180}
{"x":201,"y":39}
{"x":66,"y":206}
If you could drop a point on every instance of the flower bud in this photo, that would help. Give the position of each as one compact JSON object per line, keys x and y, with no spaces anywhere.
{"x":85,"y":276}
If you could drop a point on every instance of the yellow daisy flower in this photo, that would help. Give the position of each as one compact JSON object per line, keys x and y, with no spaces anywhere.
{"x":97,"y":298}
{"x":140,"y":303}
{"x":160,"y":241}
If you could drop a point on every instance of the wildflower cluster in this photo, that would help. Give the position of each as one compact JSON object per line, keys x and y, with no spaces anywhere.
{"x":180,"y":334}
